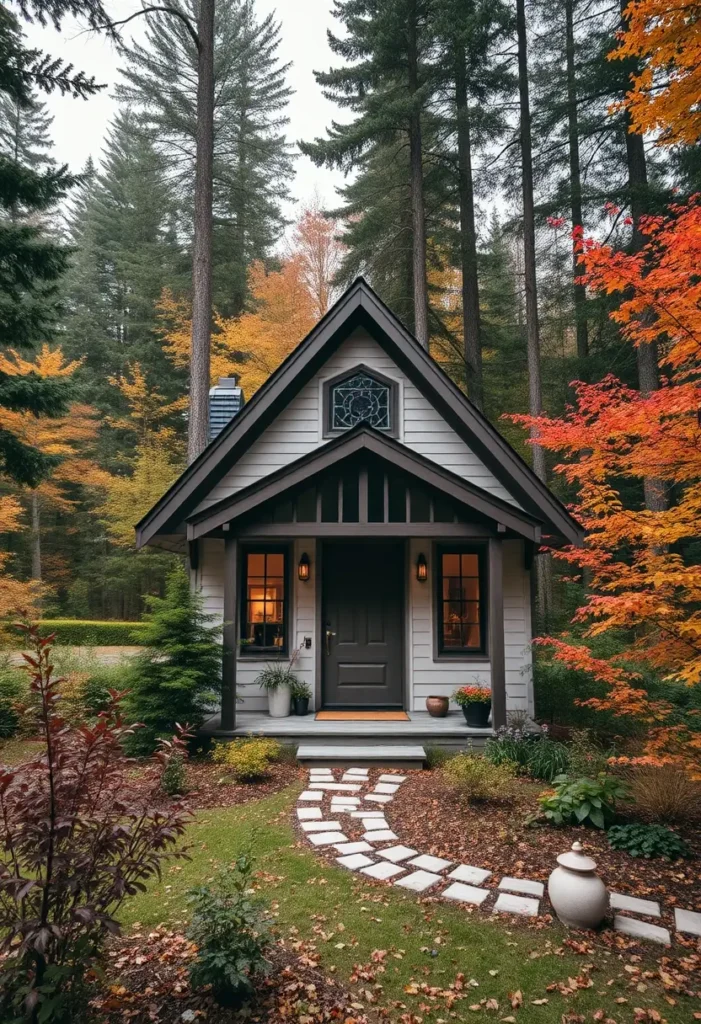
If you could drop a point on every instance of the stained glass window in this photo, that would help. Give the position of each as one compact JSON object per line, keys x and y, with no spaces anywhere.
{"x":264,"y":604}
{"x":360,"y":399}
{"x":459,"y":602}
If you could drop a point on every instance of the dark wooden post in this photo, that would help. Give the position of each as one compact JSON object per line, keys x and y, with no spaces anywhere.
{"x":496,"y":633}
{"x":230,"y":634}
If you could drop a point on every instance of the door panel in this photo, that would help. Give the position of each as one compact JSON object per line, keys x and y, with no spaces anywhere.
{"x":362,"y":625}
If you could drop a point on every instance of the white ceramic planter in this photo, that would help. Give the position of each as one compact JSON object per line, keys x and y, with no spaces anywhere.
{"x":578,"y":895}
{"x":279,"y":702}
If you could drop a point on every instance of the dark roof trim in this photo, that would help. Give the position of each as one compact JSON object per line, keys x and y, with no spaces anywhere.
{"x":362,"y":438}
{"x":358,"y":306}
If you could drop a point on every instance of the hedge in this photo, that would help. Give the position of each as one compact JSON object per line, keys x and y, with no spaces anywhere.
{"x":83,"y":633}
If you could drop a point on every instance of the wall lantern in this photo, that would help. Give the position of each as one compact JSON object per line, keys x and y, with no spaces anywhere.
{"x":303,"y":568}
{"x":421,"y":569}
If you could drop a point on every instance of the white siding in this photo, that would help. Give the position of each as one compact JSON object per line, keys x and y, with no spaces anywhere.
{"x":299,"y":429}
{"x":427,"y":676}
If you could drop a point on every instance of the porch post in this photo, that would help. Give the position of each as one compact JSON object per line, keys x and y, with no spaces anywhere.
{"x":230,"y":634}
{"x":496,"y":632}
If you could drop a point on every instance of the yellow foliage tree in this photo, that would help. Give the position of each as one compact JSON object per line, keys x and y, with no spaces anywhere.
{"x":253,"y":345}
{"x":14,"y":594}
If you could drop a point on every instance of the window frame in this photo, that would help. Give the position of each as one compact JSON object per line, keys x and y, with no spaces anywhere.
{"x":381,"y":378}
{"x":247,"y":650}
{"x":442,"y":653}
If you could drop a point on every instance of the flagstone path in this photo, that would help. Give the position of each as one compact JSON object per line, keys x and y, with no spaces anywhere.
{"x":379,"y":854}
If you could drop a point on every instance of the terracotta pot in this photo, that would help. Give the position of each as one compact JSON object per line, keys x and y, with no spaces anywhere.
{"x":477,"y":714}
{"x":437,"y":707}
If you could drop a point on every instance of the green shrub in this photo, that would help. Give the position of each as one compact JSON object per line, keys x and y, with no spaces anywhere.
{"x":231,"y":932}
{"x":436,"y":756}
{"x":538,"y":756}
{"x":509,"y":746}
{"x":84,"y":633}
{"x":648,"y":841}
{"x":14,"y":693}
{"x":587,"y":758}
{"x":547,"y":759}
{"x":173,"y":777}
{"x":287,"y":753}
{"x":176,"y":680}
{"x":247,"y":759}
{"x":583,"y":801}
{"x":478,"y":779}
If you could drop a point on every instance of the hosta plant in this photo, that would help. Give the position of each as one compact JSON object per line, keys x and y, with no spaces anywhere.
{"x":648,"y":841}
{"x":76,"y":840}
{"x":583,"y":801}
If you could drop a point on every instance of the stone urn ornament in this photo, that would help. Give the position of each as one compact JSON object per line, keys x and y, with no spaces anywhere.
{"x":579,"y":897}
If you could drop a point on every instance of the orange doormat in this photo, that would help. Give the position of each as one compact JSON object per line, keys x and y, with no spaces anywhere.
{"x":362,"y":716}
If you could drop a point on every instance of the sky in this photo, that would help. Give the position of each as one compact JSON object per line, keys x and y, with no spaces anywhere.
{"x":80,"y":126}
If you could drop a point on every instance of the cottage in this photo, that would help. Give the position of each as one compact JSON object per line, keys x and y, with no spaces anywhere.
{"x":360,"y":510}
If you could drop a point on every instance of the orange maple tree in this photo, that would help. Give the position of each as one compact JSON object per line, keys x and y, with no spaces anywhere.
{"x":642,"y":578}
{"x":665,"y":37}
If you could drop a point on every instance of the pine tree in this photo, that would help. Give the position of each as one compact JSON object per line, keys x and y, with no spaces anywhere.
{"x":252,"y":159}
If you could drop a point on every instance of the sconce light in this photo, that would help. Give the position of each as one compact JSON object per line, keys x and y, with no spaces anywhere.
{"x":303,"y":568}
{"x":421,"y":569}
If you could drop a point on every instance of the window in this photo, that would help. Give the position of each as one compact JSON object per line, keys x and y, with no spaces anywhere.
{"x":460,"y":601}
{"x":264,"y":604}
{"x":362,"y":396}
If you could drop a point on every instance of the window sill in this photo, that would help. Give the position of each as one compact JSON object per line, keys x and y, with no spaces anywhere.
{"x":262,"y":653}
{"x":462,"y":656}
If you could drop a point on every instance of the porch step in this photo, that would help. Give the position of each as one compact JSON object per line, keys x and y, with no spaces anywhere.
{"x":393,"y":755}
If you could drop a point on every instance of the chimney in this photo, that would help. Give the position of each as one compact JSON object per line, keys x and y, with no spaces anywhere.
{"x":225,"y":400}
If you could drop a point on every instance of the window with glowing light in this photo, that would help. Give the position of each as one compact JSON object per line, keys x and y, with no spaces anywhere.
{"x":264,"y":605}
{"x":460,"y":601}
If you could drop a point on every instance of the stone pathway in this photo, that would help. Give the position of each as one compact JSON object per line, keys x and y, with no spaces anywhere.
{"x":380,"y":855}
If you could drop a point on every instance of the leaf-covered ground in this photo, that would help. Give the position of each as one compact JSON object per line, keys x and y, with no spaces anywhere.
{"x":374,"y":952}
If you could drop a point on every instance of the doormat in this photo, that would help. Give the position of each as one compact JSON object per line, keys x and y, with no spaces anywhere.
{"x":362,"y":716}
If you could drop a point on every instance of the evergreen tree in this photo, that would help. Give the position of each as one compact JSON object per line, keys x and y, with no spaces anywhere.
{"x":25,"y":132}
{"x":176,"y":679}
{"x":252,"y":159}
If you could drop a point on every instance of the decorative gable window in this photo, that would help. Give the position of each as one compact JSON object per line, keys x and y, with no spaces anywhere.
{"x":361,"y":396}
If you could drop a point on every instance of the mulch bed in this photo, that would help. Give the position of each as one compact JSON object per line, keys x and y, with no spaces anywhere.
{"x":212,"y":785}
{"x":147,"y":981}
{"x":429,"y":816}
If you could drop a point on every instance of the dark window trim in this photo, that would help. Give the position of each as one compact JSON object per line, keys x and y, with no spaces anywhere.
{"x":466,"y":653}
{"x":393,"y":385}
{"x":266,"y":653}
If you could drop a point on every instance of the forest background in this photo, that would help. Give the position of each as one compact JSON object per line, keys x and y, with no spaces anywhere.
{"x":476,"y":136}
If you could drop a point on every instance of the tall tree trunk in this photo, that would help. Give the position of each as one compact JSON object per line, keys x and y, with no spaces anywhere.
{"x":579,"y":290}
{"x":198,"y":424}
{"x":418,"y":214}
{"x":535,"y":391}
{"x":468,"y":239}
{"x":36,"y":537}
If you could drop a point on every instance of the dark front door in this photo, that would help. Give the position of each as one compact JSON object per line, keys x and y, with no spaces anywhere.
{"x":362,"y":625}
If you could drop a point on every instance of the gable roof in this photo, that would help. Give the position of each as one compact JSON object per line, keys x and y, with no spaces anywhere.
{"x":362,"y":438}
{"x":359,"y":306}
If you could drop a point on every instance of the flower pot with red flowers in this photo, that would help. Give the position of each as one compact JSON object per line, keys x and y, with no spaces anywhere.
{"x":476,"y":703}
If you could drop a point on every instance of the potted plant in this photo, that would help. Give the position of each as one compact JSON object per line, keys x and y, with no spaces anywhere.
{"x":437,"y":707}
{"x":476,"y":703}
{"x":301,"y":695}
{"x":277,"y":681}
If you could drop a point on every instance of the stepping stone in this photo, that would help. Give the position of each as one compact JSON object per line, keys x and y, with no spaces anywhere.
{"x":357,"y":771}
{"x":688,"y":921}
{"x":419,"y":881}
{"x":326,"y":838}
{"x":384,"y":787}
{"x":465,"y":893}
{"x":320,"y":826}
{"x":635,"y":906}
{"x":508,"y":904}
{"x":380,"y":836}
{"x":524,"y":885}
{"x":307,"y":813}
{"x":346,"y":786}
{"x":309,"y":797}
{"x":352,"y":777}
{"x":473,"y":876}
{"x":371,"y":824}
{"x":351,"y":804}
{"x":377,"y":798}
{"x":430,"y":863}
{"x":320,"y":771}
{"x":353,"y":847}
{"x":397,"y":853}
{"x":367,"y":814}
{"x":354,"y":861}
{"x":392,"y":778}
{"x":383,"y":870}
{"x":641,"y":929}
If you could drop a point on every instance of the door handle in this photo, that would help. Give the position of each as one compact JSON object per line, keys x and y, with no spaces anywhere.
{"x":329,"y":634}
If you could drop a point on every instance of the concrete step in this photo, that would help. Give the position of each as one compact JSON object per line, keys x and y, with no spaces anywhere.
{"x":390,"y":755}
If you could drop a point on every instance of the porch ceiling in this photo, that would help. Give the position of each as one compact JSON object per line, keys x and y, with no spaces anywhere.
{"x":364,"y":440}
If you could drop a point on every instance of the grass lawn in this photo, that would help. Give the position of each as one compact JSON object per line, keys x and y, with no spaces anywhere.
{"x":424,"y":944}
